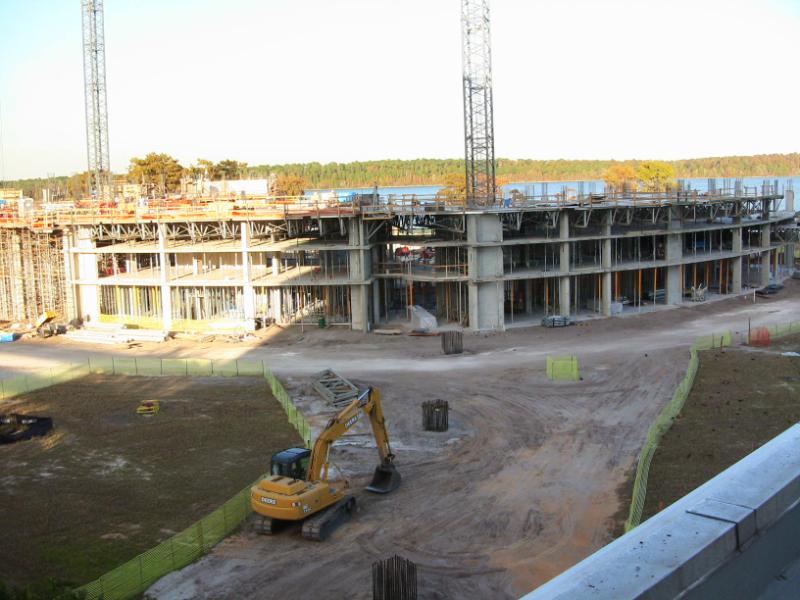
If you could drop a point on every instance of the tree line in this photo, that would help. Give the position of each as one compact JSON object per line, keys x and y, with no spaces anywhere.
{"x":163,"y":173}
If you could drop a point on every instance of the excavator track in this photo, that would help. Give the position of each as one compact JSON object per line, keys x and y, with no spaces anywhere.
{"x":264,"y":525}
{"x":319,"y":527}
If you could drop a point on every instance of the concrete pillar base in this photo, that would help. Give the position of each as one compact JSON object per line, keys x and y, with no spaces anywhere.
{"x":606,"y":302}
{"x":359,"y":313}
{"x":736,"y":279}
{"x":766,"y":275}
{"x":674,"y":285}
{"x":564,"y":296}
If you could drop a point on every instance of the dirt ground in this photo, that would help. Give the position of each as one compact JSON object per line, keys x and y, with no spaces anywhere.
{"x":108,"y":484}
{"x":525,"y":484}
{"x":741,"y":399}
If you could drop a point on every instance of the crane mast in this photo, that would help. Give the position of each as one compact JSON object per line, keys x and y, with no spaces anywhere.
{"x":481,"y":183}
{"x":94,"y":79}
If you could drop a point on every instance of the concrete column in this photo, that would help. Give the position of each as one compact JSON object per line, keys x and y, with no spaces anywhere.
{"x":276,"y":264}
{"x":70,"y":307}
{"x":563,"y":282}
{"x":88,"y":291}
{"x":275,"y":301}
{"x":608,"y":219}
{"x":166,"y":295}
{"x":674,"y":288}
{"x":736,"y":268}
{"x":360,"y":271}
{"x":564,"y":296}
{"x":766,"y":232}
{"x":674,"y":254}
{"x":563,"y":224}
{"x":736,"y":244}
{"x":485,"y":272}
{"x":606,"y":299}
{"x":359,"y":308}
{"x":765,"y":268}
{"x":248,"y":293}
{"x":606,"y":257}
{"x":788,"y":196}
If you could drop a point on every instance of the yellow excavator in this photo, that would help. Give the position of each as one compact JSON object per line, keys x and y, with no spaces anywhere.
{"x":298,"y":487}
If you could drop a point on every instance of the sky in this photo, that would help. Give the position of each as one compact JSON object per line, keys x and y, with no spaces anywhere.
{"x":278,"y":81}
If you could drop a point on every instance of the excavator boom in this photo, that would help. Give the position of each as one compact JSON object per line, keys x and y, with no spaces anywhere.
{"x":386,"y":478}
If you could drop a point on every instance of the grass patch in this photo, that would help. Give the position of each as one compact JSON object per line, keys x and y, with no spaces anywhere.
{"x":741,"y":399}
{"x":108,"y":484}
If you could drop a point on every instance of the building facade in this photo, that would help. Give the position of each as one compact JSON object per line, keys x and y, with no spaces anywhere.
{"x":367,"y":262}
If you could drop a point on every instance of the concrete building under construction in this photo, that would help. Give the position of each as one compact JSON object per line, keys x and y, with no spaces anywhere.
{"x":245,"y":262}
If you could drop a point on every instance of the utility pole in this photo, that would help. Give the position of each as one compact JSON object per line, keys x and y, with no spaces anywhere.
{"x":478,"y":104}
{"x":94,"y":79}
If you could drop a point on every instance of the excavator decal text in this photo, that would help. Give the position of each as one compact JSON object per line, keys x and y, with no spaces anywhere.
{"x":349,"y":423}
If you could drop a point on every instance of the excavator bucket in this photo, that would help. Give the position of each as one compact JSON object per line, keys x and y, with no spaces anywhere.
{"x":386,"y":479}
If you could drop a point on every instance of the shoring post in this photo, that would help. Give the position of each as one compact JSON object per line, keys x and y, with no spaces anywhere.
{"x":141,"y":575}
{"x":200,"y":541}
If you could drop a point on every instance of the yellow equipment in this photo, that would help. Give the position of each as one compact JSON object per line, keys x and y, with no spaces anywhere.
{"x":148,"y":408}
{"x":298,"y":486}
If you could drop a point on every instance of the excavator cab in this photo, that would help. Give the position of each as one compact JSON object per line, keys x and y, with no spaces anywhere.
{"x":292,"y":462}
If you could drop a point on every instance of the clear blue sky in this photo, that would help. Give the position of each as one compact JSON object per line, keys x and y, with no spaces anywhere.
{"x":271,"y":81}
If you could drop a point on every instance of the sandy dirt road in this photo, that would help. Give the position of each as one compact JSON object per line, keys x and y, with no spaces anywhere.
{"x":523,"y":486}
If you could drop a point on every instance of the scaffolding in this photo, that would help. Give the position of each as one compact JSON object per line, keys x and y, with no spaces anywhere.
{"x":32,"y":278}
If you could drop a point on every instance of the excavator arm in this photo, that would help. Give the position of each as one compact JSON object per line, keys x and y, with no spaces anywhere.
{"x":386,"y":478}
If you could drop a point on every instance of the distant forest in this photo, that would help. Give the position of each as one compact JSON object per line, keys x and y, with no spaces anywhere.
{"x":436,"y":171}
{"x":441,"y":171}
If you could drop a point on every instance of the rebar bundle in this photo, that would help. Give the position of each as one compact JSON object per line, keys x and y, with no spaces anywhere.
{"x":452,"y":342}
{"x":394,"y":579}
{"x":435,"y":415}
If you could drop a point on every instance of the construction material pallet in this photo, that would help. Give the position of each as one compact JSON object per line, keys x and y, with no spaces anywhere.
{"x":334,"y":389}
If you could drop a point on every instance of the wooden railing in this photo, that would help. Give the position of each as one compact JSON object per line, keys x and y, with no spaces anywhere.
{"x":369,"y":206}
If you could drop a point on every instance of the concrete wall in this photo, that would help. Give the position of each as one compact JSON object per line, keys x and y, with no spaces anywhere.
{"x":729,"y":539}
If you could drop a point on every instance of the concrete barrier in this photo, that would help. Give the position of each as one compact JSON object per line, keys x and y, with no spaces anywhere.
{"x":730,"y":538}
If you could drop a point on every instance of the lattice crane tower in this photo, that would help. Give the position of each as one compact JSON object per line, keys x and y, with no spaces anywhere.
{"x":478,"y":106}
{"x":94,"y":78}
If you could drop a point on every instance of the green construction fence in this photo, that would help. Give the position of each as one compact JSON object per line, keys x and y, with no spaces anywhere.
{"x":132,"y":578}
{"x":664,"y":421}
{"x":563,"y":368}
{"x":777,"y":331}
